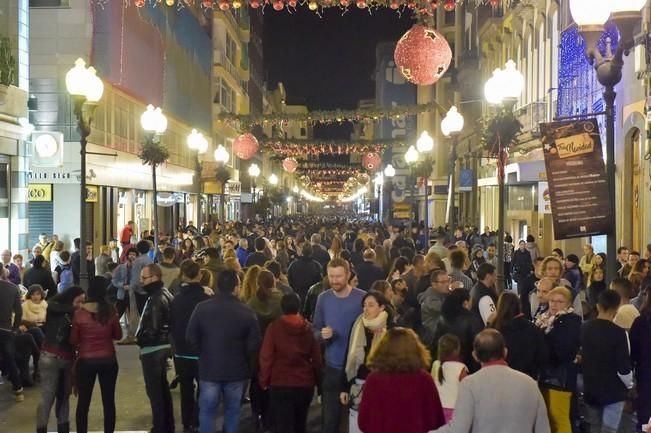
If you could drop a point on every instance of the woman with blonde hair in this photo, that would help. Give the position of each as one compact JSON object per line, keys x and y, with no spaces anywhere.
{"x":232,"y":264}
{"x":250,"y":283}
{"x":562,"y":329}
{"x":336,"y":247}
{"x":102,"y":261}
{"x":399,"y":377}
{"x":587,"y":262}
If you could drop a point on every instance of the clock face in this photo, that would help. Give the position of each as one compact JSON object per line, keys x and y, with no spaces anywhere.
{"x":46,"y":146}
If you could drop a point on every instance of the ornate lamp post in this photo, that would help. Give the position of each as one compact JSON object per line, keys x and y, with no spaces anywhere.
{"x":411,"y":157}
{"x":590,"y":16}
{"x":424,"y":145}
{"x":254,"y":172}
{"x":222,"y":156}
{"x":389,"y":173}
{"x":86,"y":90}
{"x":154,"y":123}
{"x":503,"y":89}
{"x":451,"y":126}
{"x":198,"y":143}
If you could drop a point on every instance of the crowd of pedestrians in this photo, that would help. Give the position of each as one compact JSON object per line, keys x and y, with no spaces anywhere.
{"x":394,"y":332}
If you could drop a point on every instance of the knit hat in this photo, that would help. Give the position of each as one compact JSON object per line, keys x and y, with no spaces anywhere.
{"x":572,"y":258}
{"x":97,"y":288}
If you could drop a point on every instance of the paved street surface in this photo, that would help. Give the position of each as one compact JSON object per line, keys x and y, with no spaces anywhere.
{"x":133,"y":411}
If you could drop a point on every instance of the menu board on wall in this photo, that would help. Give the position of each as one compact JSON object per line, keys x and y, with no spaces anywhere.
{"x":576,"y":173}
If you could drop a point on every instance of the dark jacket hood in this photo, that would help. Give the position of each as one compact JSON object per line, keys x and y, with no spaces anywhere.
{"x":154,"y":287}
{"x":191,"y":287}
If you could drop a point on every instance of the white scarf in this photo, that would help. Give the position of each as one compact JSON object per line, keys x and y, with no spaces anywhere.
{"x":357,"y":344}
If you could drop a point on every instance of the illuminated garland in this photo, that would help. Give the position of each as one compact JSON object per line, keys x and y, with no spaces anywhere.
{"x":369,"y":114}
{"x":330,"y":173}
{"x":325,"y":148}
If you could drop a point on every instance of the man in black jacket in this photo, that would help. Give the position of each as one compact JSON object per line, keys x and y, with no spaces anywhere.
{"x":367,"y":271}
{"x":10,"y":306}
{"x":483,"y":294}
{"x":153,"y":338}
{"x":226,"y":334}
{"x":319,"y":253}
{"x":258,"y":257}
{"x":185,"y":358}
{"x":304,"y":272}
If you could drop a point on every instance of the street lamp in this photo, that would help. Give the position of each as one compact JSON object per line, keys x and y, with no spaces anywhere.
{"x":154,"y":123}
{"x":590,"y":16}
{"x":254,"y":172}
{"x":389,"y":173}
{"x":504,"y":89}
{"x":196,"y":141}
{"x":86,"y":89}
{"x":273,"y":179}
{"x":221,"y":157}
{"x":451,"y":126}
{"x":425,"y":143}
{"x":411,"y":156}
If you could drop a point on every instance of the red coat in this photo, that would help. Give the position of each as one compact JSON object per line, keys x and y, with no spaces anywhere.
{"x":91,"y":338}
{"x":400,"y":402}
{"x":290,"y":355}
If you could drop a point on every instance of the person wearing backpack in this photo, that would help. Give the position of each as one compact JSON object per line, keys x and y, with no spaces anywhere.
{"x":62,"y":274}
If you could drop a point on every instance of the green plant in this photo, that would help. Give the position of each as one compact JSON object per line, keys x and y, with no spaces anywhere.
{"x":153,"y":153}
{"x":501,"y":130}
{"x":7,"y":63}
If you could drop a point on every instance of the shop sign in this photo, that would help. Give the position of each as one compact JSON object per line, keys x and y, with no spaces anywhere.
{"x":39,"y":192}
{"x":544,"y":202}
{"x":577,"y":179}
{"x":466,"y":180}
{"x":53,"y":176}
{"x":92,"y":193}
{"x":233,"y":188}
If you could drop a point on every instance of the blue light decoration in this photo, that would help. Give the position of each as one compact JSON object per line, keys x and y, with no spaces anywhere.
{"x":579,"y":92}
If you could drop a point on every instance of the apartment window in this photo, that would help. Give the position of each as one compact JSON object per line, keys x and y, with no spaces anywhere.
{"x":225,"y":96}
{"x":231,"y":49}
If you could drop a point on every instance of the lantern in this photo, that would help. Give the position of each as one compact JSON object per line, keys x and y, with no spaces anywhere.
{"x":449,"y":5}
{"x":245,"y":146}
{"x":254,"y":4}
{"x":237,"y":4}
{"x":278,"y":5}
{"x":422,"y":55}
{"x":394,"y":4}
{"x":371,"y":161}
{"x":344,"y":3}
{"x":292,"y":3}
{"x":290,"y":165}
{"x":361,"y":4}
{"x":224,"y":5}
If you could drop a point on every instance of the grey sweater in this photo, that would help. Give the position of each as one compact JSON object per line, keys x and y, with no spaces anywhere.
{"x":498,"y":399}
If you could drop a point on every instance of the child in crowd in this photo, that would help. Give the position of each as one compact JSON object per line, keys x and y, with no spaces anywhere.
{"x":448,"y":371}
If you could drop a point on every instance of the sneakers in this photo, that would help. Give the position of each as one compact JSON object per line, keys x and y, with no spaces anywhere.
{"x":18,"y":394}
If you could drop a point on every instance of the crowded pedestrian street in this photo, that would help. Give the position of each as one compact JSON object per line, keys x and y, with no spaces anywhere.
{"x":325,"y":216}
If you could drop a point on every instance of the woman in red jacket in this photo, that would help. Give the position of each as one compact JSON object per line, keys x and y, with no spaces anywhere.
{"x":400,"y":395}
{"x":290,"y":363}
{"x":94,"y":328}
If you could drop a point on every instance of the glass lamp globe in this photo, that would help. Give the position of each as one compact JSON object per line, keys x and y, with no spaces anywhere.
{"x":254,"y":170}
{"x":221,"y":154}
{"x":492,"y":88}
{"x":627,"y":6}
{"x":425,"y":143}
{"x":389,"y":171}
{"x":511,"y":81}
{"x":193,"y":140}
{"x":411,"y":155}
{"x":160,"y":122}
{"x":592,"y":13}
{"x":94,"y":86}
{"x":452,"y":123}
{"x":77,"y":78}
{"x":273,"y":179}
{"x":148,"y":119}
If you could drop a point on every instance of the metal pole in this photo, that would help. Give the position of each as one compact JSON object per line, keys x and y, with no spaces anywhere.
{"x":155,"y":208}
{"x":611,"y":240}
{"x":253,"y":197}
{"x":83,"y":266}
{"x":500,"y":232}
{"x":452,"y":217}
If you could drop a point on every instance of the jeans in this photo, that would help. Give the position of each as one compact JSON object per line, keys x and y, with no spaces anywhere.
{"x":188,"y":372}
{"x":154,"y":370}
{"x":211,"y":395}
{"x":604,"y":419}
{"x":55,"y":386}
{"x":106,"y":370}
{"x":331,"y":408}
{"x":8,"y":356}
{"x":289,"y":407}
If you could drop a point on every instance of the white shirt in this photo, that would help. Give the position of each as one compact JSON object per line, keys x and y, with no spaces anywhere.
{"x":486,"y":308}
{"x":449,"y":389}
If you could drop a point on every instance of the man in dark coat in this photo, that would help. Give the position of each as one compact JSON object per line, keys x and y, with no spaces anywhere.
{"x":368,"y":272}
{"x":304,"y":272}
{"x":319,"y":253}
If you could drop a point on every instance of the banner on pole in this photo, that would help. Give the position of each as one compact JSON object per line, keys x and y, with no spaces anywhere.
{"x":577,"y":179}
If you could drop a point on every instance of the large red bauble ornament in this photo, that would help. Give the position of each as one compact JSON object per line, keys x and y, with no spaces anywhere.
{"x":422,"y":55}
{"x":207,"y":4}
{"x":254,"y":4}
{"x":278,"y":5}
{"x":449,"y":5}
{"x":224,"y":5}
{"x":361,"y":4}
{"x":371,"y":161}
{"x":394,"y":4}
{"x":292,"y":3}
{"x":139,"y":3}
{"x":290,"y":165}
{"x":344,"y":3}
{"x":245,"y":146}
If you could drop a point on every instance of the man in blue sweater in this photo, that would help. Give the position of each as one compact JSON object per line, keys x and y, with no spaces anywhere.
{"x":336,"y":310}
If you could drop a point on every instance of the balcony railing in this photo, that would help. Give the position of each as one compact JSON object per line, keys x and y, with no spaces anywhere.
{"x":531,"y":115}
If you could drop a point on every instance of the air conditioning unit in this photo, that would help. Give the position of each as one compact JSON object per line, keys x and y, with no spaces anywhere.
{"x":47,"y":149}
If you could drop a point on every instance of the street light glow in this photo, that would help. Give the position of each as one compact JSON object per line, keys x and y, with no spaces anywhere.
{"x":505,"y":84}
{"x":196,"y":141}
{"x":254,"y":170}
{"x":389,"y":171}
{"x":153,"y":120}
{"x":221,"y":154}
{"x":591,"y":13}
{"x":453,"y":122}
{"x":82,"y":81}
{"x":425,"y":142}
{"x":273,"y":179}
{"x":411,"y":155}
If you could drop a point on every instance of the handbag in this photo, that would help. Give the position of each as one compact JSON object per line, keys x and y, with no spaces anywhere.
{"x":355,"y":395}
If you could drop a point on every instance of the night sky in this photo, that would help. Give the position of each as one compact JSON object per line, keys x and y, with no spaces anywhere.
{"x":327,"y":63}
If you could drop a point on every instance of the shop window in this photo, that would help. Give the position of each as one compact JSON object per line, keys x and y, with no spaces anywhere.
{"x":48,"y":3}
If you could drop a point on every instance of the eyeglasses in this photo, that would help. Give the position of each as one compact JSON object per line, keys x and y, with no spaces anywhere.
{"x":146,"y":277}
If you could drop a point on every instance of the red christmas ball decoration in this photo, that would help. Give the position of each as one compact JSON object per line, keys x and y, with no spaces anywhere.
{"x":449,"y":5}
{"x":495,"y":3}
{"x":254,"y":4}
{"x":394,"y":4}
{"x":207,"y":4}
{"x":278,"y":5}
{"x":292,"y":3}
{"x":361,"y":4}
{"x":224,"y":5}
{"x":245,"y":146}
{"x":371,"y":161}
{"x":422,"y":55}
{"x":139,"y":3}
{"x":290,"y":165}
{"x":344,"y":3}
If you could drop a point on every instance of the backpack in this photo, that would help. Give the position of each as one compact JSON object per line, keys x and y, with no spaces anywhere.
{"x":66,"y":279}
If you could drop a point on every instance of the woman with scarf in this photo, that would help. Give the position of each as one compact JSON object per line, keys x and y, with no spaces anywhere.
{"x":366,"y":332}
{"x":562,"y":329}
